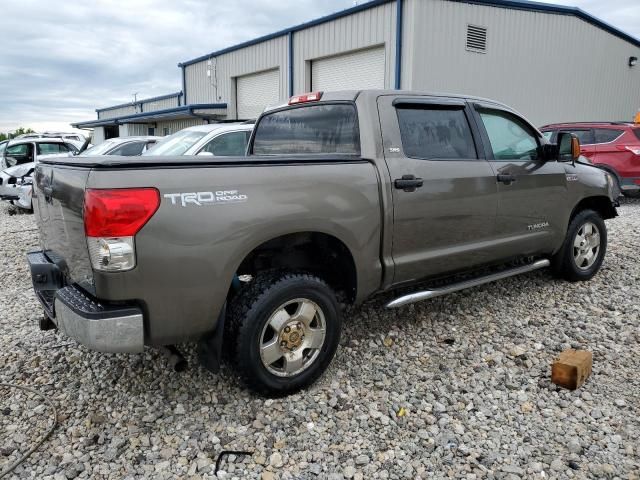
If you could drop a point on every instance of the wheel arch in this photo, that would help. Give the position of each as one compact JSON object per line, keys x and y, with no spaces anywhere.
{"x":599,"y":203}
{"x":320,"y":253}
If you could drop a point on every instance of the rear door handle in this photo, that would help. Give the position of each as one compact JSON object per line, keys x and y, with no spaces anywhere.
{"x":506,"y":178}
{"x":408,"y":183}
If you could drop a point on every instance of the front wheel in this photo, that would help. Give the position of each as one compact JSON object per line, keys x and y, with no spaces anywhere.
{"x":285,"y":329}
{"x":583,"y":251}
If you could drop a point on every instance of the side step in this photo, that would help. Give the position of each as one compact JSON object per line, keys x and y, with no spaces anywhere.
{"x":436,"y":292}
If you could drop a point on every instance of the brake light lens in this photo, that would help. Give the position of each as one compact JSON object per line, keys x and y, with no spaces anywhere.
{"x":306,"y":97}
{"x":112,"y":217}
{"x":120,"y":212}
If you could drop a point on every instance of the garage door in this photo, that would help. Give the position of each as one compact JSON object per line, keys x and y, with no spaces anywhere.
{"x":256,"y":91}
{"x":351,"y":71}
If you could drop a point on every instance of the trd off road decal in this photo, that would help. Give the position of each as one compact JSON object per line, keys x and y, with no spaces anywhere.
{"x":199,"y":199}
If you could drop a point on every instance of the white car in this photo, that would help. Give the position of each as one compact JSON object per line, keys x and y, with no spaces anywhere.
{"x":18,"y":162}
{"x":218,"y":139}
{"x":77,"y":139}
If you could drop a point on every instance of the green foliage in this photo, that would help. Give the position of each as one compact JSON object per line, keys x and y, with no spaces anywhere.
{"x":14,"y":134}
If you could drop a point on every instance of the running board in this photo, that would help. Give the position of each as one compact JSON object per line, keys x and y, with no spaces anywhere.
{"x":436,"y":292}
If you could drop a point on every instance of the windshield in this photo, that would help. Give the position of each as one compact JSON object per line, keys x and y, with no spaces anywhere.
{"x":176,"y":144}
{"x":99,"y":149}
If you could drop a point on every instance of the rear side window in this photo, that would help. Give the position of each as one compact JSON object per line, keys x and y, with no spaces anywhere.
{"x":435,"y":133}
{"x":308,"y":130}
{"x":51,"y":148}
{"x":131,"y":149}
{"x":606,"y":135}
{"x":231,"y":144}
{"x":637,"y":132}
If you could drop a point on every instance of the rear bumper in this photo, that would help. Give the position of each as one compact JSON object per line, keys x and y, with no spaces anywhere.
{"x":630,"y":184}
{"x":98,"y":325}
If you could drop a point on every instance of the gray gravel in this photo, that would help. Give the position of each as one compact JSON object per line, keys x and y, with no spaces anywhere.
{"x":457,"y":387}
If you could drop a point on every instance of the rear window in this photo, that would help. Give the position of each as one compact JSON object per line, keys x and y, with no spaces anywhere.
{"x":435,"y":133}
{"x":308,"y":130}
{"x":606,"y":135}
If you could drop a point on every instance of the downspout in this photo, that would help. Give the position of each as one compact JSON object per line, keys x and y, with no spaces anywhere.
{"x":184,"y":84}
{"x":398,"y":43}
{"x":290,"y":35}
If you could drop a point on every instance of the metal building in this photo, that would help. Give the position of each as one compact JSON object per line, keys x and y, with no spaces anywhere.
{"x":552,"y":63}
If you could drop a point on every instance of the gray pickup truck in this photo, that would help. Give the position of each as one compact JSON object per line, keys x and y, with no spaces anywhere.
{"x":342,"y":195}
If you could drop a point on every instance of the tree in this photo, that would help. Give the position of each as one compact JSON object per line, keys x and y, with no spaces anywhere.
{"x":14,"y":134}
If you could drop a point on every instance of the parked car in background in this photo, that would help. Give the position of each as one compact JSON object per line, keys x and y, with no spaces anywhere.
{"x":76,"y":139}
{"x":18,"y":161}
{"x":612,"y":146}
{"x":124,"y":146}
{"x":217,"y":139}
{"x":16,"y":185}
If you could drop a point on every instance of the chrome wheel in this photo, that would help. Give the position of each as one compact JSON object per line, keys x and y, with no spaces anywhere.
{"x":586,"y":246}
{"x":292,"y":337}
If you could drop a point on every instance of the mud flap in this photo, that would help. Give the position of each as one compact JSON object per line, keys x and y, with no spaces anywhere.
{"x":210,"y":346}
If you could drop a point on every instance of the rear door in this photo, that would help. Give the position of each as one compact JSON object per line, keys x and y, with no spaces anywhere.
{"x":444,"y":191}
{"x":532,"y":192}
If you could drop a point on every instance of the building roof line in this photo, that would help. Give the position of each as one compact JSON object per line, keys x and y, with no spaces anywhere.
{"x":138,"y":102}
{"x":154,"y":113}
{"x":511,"y":4}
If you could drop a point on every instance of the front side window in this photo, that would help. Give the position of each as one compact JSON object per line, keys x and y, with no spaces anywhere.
{"x":233,"y":144}
{"x":435,"y":132}
{"x":131,"y":149}
{"x":606,"y":135}
{"x":18,"y":154}
{"x":548,"y":135}
{"x":313,"y":129}
{"x":510,"y":137}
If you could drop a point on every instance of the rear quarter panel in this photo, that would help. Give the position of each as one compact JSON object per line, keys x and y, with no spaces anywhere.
{"x":187,"y":255}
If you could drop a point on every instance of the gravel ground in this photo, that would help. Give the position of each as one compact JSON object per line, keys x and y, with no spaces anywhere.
{"x":457,"y":387}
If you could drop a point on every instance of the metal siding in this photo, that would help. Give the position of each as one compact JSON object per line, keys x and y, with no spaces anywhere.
{"x":550,"y":67}
{"x":98,"y":136}
{"x":160,"y":104}
{"x":118,"y":112}
{"x":372,"y":27}
{"x":177,"y":125}
{"x":263,"y":56}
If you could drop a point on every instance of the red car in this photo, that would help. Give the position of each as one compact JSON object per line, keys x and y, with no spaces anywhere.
{"x":612,"y":146}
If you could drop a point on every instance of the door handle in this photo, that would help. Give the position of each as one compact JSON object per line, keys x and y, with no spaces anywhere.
{"x":506,"y":178}
{"x":408,"y":183}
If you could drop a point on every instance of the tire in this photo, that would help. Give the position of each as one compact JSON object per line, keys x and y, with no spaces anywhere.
{"x":578,"y":259}
{"x":272,"y":320}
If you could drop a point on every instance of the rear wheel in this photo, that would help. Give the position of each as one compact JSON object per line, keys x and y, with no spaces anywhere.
{"x":584,"y":247}
{"x":285,"y":330}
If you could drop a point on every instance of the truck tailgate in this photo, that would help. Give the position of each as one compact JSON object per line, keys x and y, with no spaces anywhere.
{"x":58,"y":202}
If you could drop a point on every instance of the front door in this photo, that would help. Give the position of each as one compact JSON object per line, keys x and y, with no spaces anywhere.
{"x":444,"y":192}
{"x":532,"y":192}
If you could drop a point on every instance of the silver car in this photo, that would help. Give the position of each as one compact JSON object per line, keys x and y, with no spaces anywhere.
{"x":218,"y":139}
{"x":124,"y":146}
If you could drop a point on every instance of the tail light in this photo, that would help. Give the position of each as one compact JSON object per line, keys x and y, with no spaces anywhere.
{"x":306,"y":97}
{"x":633,"y":149}
{"x":112,"y":217}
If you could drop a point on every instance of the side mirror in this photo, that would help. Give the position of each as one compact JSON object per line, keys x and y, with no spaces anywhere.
{"x":568,"y":147}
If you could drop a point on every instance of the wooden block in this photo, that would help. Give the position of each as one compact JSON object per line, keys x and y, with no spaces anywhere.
{"x":572,"y":368}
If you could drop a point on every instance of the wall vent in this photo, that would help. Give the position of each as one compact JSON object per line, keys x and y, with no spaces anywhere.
{"x":476,"y":39}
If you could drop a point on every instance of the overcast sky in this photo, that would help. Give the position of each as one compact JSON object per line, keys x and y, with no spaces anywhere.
{"x":60,"y":60}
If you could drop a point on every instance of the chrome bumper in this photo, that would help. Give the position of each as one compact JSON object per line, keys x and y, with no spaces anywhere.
{"x":98,"y":325}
